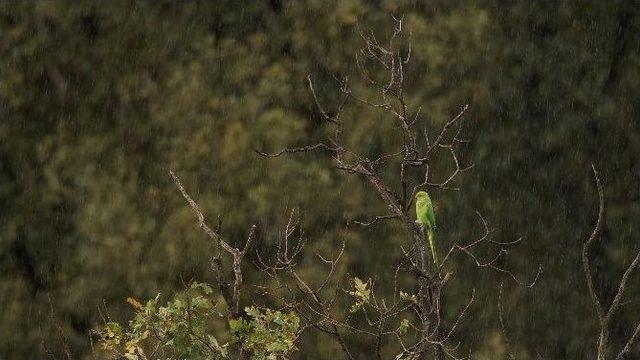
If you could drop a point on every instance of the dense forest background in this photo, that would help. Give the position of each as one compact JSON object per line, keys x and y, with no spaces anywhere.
{"x":98,"y":100}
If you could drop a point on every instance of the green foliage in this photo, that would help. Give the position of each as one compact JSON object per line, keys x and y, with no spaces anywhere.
{"x":180,"y":330}
{"x":184,"y":329}
{"x":267,"y":334}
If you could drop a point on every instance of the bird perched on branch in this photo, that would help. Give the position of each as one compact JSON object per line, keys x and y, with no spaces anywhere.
{"x":427,"y":218}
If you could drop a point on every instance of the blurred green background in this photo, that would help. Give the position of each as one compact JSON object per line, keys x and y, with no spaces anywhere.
{"x":98,"y":100}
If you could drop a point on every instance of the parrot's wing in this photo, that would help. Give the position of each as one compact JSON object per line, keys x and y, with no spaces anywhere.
{"x":431,"y":217}
{"x":421,"y":213}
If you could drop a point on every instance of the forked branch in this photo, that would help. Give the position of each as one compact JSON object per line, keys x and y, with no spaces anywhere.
{"x":231,"y":297}
{"x":605,"y":314}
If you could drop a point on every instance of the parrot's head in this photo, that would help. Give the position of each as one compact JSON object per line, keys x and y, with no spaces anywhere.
{"x":421,"y":196}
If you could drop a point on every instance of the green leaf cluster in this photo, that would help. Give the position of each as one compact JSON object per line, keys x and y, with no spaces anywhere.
{"x":267,"y":334}
{"x":179,"y":330}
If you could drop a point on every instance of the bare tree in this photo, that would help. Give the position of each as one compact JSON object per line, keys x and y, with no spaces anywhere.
{"x":411,"y":162}
{"x":604,"y":313}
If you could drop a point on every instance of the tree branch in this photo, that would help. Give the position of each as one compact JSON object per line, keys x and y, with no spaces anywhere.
{"x":233,"y":299}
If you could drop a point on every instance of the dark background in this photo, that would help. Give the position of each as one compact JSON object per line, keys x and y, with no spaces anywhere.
{"x":99,"y":99}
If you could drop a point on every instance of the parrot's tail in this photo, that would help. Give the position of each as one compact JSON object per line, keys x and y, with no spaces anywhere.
{"x":430,"y":235}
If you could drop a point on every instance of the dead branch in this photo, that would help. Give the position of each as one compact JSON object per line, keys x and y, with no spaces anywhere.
{"x":237,"y":254}
{"x":605,"y":314}
{"x":491,"y":263}
{"x":627,"y":347}
{"x":375,"y":220}
{"x":311,"y":306}
{"x":320,"y":146}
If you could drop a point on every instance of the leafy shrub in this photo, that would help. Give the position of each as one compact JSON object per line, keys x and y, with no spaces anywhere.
{"x":183,"y":329}
{"x":269,"y":334}
{"x":180,"y":330}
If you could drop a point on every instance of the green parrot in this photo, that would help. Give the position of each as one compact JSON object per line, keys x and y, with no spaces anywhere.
{"x":427,"y":218}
